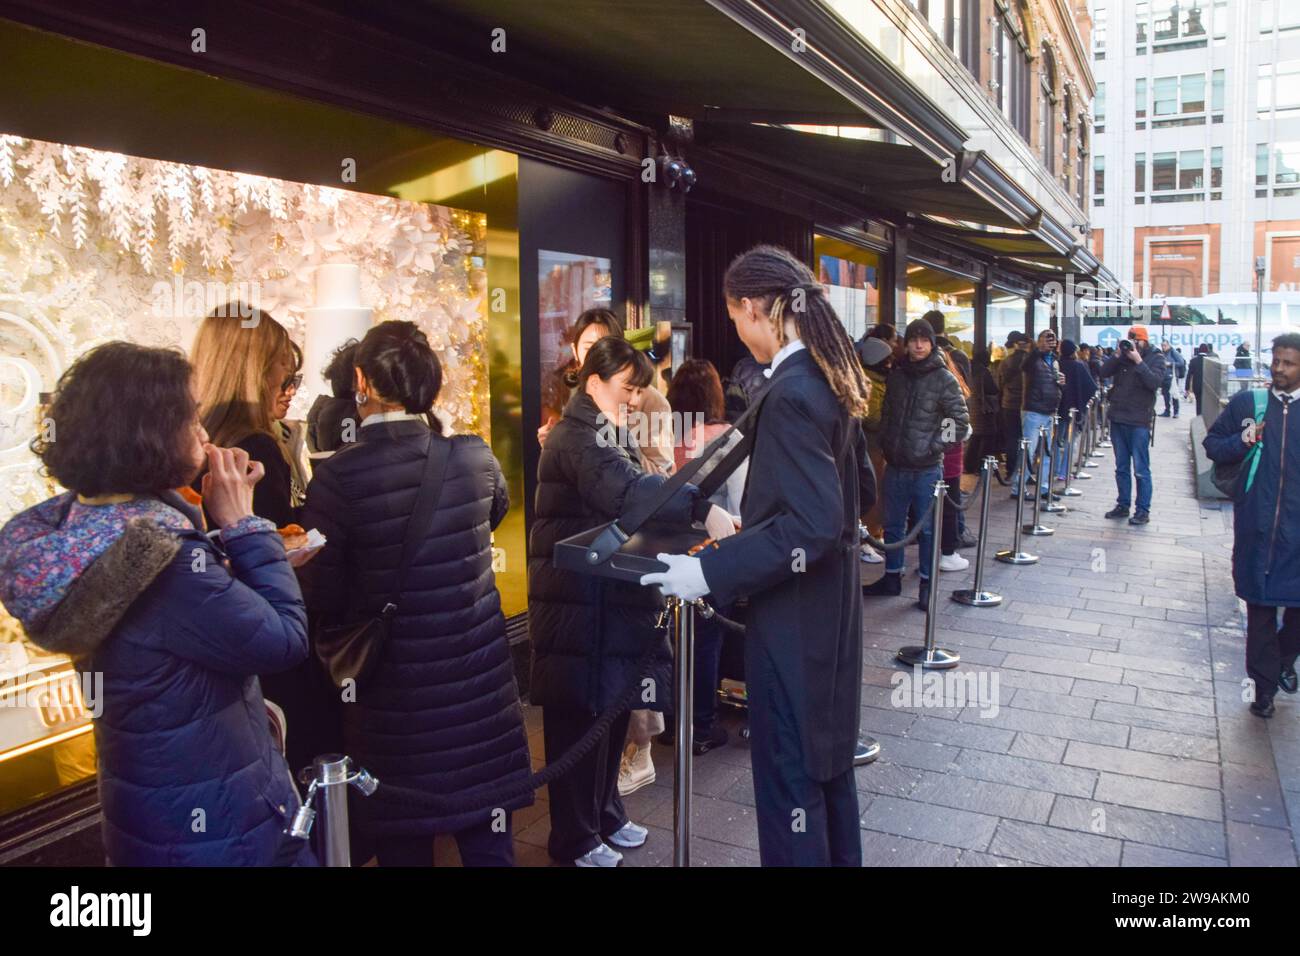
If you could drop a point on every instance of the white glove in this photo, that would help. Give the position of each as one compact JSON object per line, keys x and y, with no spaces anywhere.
{"x":719,"y":524}
{"x":684,"y":577}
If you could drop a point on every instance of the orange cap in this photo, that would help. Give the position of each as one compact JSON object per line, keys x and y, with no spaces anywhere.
{"x":1139,"y":332}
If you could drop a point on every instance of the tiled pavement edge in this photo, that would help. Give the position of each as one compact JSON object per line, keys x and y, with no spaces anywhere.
{"x":1120,"y":736}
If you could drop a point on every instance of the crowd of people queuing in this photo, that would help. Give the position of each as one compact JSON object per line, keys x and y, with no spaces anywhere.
{"x":175,"y":563}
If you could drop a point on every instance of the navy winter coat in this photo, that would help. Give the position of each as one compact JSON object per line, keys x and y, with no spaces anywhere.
{"x":441,"y":712}
{"x":589,"y":632}
{"x":1079,"y":387}
{"x":1266,"y":520}
{"x":188,"y":774}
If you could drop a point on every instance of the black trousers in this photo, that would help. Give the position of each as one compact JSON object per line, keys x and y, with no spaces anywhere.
{"x":801,"y":821}
{"x":585,"y":805}
{"x":478,"y":845}
{"x":1170,"y":393}
{"x":1269,"y":647}
{"x":1011,"y":434}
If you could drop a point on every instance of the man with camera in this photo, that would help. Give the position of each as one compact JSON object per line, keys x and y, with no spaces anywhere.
{"x":1136,"y":371}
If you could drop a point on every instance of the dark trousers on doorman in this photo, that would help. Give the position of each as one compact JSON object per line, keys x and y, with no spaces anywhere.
{"x":585,"y":805}
{"x":801,"y":821}
{"x":1268,"y":648}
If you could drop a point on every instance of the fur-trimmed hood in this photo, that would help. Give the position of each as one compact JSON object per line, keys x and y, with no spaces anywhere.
{"x":69,"y":571}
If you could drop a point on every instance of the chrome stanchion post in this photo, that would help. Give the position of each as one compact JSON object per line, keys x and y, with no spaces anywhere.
{"x":976,"y":596}
{"x":683,"y":617}
{"x":1015,"y":555}
{"x":1069,"y":491}
{"x":1052,"y":506}
{"x":930,"y":657}
{"x":1105,"y":420}
{"x":1084,"y":459}
{"x":328,"y":771}
{"x":1037,"y":529}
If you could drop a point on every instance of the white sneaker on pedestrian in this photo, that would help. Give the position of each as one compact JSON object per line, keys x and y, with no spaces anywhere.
{"x":953,"y":562}
{"x":629,"y":836}
{"x":871,"y":556}
{"x":636,"y":771}
{"x":600,"y":856}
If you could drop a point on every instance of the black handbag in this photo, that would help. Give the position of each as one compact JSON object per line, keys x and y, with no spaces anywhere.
{"x":351,"y":651}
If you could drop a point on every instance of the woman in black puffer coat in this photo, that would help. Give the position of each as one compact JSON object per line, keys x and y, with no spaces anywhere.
{"x":441,"y":711}
{"x":588,"y":633}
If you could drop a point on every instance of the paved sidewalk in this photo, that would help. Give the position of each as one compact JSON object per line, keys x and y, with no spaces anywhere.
{"x":1120,"y":736}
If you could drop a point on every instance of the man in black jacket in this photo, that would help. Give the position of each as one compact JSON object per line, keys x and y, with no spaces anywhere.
{"x":1136,"y":372}
{"x":1079,"y":388}
{"x":1174,"y":366}
{"x":1196,"y":373}
{"x":924,"y":413}
{"x":1040,"y":396}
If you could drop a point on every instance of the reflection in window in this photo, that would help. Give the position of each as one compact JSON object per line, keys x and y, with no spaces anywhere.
{"x":851,"y":276}
{"x":1279,"y":15}
{"x":1285,"y":171}
{"x":1099,"y":33}
{"x":1279,"y":87}
{"x":1098,"y":177}
{"x":1140,"y":98}
{"x":1099,"y":109}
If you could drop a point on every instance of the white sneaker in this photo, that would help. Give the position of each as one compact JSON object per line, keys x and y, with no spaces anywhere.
{"x":600,"y":856}
{"x":636,"y":771}
{"x":629,"y":836}
{"x":953,"y":562}
{"x":871,"y":556}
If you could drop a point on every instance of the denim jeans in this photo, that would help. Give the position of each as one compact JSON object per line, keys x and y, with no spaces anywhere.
{"x":1132,"y":445}
{"x":1030,"y":423}
{"x":909,"y":488}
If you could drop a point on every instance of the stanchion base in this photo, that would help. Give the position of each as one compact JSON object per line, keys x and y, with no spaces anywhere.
{"x":938,"y":659}
{"x":1072,"y":492}
{"x":867,"y":751}
{"x":1015,"y":557}
{"x":973,"y":598}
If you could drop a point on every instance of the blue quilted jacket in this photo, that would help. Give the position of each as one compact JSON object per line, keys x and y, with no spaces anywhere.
{"x":178,"y":625}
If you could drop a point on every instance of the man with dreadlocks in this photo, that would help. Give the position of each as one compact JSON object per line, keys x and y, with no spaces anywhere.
{"x":797,"y":561}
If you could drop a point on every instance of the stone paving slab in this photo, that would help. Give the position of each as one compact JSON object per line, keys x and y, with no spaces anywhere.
{"x":1116,"y":737}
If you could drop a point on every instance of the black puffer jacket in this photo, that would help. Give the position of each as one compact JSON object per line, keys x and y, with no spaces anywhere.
{"x":919,"y":397}
{"x":441,"y":712}
{"x":1042,"y":392}
{"x":588,"y":632}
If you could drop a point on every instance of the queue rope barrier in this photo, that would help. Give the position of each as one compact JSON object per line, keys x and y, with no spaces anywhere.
{"x":916,"y":529}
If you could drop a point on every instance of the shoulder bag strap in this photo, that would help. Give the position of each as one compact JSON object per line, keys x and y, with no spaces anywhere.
{"x":426,"y":503}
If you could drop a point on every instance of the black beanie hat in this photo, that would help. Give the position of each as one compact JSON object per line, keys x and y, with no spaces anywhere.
{"x":919,"y":329}
{"x":1068,"y":349}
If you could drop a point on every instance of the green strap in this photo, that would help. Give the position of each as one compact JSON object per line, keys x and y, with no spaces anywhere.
{"x":1261,"y":408}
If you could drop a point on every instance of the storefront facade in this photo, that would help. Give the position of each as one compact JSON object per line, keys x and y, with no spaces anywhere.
{"x":517,"y":177}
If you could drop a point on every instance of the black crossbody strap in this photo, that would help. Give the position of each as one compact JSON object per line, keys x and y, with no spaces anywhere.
{"x":426,"y":503}
{"x":617,"y":532}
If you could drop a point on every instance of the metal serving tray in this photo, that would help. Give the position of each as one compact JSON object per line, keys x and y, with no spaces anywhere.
{"x":634,"y":558}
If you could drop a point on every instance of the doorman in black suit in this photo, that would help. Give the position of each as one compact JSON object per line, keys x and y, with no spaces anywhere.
{"x":796,"y":558}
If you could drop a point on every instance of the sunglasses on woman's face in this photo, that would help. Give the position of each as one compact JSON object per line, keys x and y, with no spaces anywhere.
{"x":291,"y":383}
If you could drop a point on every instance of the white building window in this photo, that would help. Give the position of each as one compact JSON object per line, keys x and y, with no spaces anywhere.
{"x":1279,"y":88}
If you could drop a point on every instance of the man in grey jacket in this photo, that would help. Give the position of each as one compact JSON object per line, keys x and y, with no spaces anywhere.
{"x":1136,"y":371}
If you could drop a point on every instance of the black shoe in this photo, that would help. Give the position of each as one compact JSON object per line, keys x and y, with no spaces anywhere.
{"x":1119,"y":511}
{"x":923,"y":596}
{"x":703,"y":743}
{"x":1164,"y":414}
{"x":1288,"y":681}
{"x":890,"y":585}
{"x":1140,"y":517}
{"x":1175,"y":414}
{"x":1262,"y":707}
{"x":968,"y":540}
{"x":669,"y":735}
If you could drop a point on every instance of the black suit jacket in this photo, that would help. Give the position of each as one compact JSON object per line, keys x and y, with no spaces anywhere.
{"x":797,"y":560}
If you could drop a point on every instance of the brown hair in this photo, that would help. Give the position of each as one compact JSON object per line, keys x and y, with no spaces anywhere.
{"x":696,"y":389}
{"x":123,"y":416}
{"x":775,"y":279}
{"x":232,"y":357}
